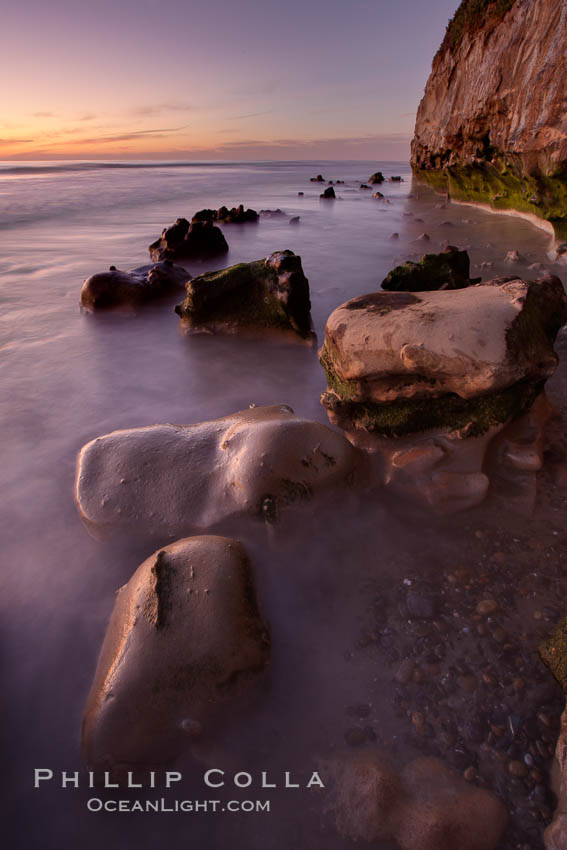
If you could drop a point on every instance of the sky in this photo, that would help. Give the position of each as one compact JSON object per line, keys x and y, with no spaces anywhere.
{"x":215,"y":79}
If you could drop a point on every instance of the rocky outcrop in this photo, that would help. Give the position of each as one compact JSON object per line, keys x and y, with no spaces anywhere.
{"x":185,"y":637}
{"x":116,"y":288}
{"x":448,"y":270}
{"x":269,"y":295}
{"x":454,"y":376}
{"x":329,"y":193}
{"x":424,"y":807}
{"x":492,"y":125}
{"x":175,"y":480}
{"x":235,"y":215}
{"x":377,"y":177}
{"x":183,"y":241}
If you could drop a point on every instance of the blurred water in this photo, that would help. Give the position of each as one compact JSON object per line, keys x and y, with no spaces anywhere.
{"x":66,"y":377}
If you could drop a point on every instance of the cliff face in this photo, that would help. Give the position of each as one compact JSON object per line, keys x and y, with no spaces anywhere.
{"x":493,"y":119}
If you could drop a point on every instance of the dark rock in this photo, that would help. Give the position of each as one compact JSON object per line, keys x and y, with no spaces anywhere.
{"x":447,"y":270}
{"x":272,"y":213}
{"x":198,"y":240}
{"x":272,"y":293}
{"x":328,"y":193}
{"x":236,"y":215}
{"x":377,"y":177}
{"x":116,"y":288}
{"x":318,"y":179}
{"x":396,"y":180}
{"x":294,"y":220}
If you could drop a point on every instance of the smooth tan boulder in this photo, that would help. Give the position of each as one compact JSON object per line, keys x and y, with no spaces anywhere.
{"x":426,"y":806}
{"x":184,"y":639}
{"x":469,"y":343}
{"x":179,"y":479}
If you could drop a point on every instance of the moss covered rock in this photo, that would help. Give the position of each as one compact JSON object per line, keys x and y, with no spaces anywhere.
{"x":185,"y":638}
{"x":448,"y":270}
{"x":400,"y":363}
{"x":270,"y":294}
{"x":184,"y":241}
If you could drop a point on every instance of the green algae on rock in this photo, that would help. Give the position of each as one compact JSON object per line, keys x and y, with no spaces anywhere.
{"x":491,"y":126}
{"x":402,"y":363}
{"x":271,"y":294}
{"x":448,"y":270}
{"x":554,"y":654}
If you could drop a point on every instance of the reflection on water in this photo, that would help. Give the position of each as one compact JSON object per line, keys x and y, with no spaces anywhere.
{"x":67,"y":377}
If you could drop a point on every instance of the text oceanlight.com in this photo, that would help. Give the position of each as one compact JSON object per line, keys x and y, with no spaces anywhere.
{"x":95,"y":804}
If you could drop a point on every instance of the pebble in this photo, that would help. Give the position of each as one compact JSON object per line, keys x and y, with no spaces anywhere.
{"x":468,"y":683}
{"x":517,"y":768}
{"x":420,"y":605}
{"x":487,"y":606}
{"x":418,"y":722}
{"x":470,"y":774}
{"x":405,"y":671}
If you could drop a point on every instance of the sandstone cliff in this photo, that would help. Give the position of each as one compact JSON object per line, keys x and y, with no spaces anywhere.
{"x":492,"y":123}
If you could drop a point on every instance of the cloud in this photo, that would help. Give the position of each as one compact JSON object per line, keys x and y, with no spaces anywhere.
{"x":89,"y":117}
{"x":127,"y":137}
{"x":44,"y":115}
{"x":158,"y":108}
{"x":249,"y":115}
{"x":8,"y":142}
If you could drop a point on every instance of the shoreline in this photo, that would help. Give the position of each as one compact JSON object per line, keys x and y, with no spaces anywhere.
{"x":536,"y":221}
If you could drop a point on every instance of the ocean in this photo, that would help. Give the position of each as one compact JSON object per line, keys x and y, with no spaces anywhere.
{"x":67,"y":377}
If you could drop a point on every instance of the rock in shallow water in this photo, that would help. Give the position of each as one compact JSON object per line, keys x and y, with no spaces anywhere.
{"x":116,"y":288}
{"x":185,"y":637}
{"x":448,"y":270}
{"x":399,"y":363}
{"x":173,"y":480}
{"x":271,"y":294}
{"x":184,"y":241}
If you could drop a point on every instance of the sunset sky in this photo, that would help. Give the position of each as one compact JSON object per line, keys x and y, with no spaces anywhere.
{"x":224,"y":79}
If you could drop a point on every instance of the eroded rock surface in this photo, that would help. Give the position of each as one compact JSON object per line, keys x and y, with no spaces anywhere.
{"x":554,"y":653}
{"x":493,"y":119}
{"x":174,"y":480}
{"x":424,"y":807}
{"x":269,"y":294}
{"x":448,"y":270}
{"x":433,"y":368}
{"x":116,"y":288}
{"x":185,"y":241}
{"x":185,"y":637}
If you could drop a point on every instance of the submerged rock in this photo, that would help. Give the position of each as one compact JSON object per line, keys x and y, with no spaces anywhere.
{"x":448,"y":270}
{"x":236,"y":215}
{"x":270,"y":294}
{"x":185,"y":637}
{"x":173,"y":480}
{"x":328,"y":193}
{"x":424,"y":807}
{"x":318,"y":179}
{"x":116,"y":288}
{"x":377,"y":177}
{"x":184,"y":241}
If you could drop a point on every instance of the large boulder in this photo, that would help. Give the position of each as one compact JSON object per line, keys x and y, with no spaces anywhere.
{"x":377,"y":177}
{"x":423,"y":807}
{"x":174,"y":480}
{"x":448,"y":270}
{"x":184,"y":241}
{"x":185,"y":637}
{"x":433,"y":368}
{"x":269,"y":294}
{"x":116,"y":288}
{"x":400,"y":362}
